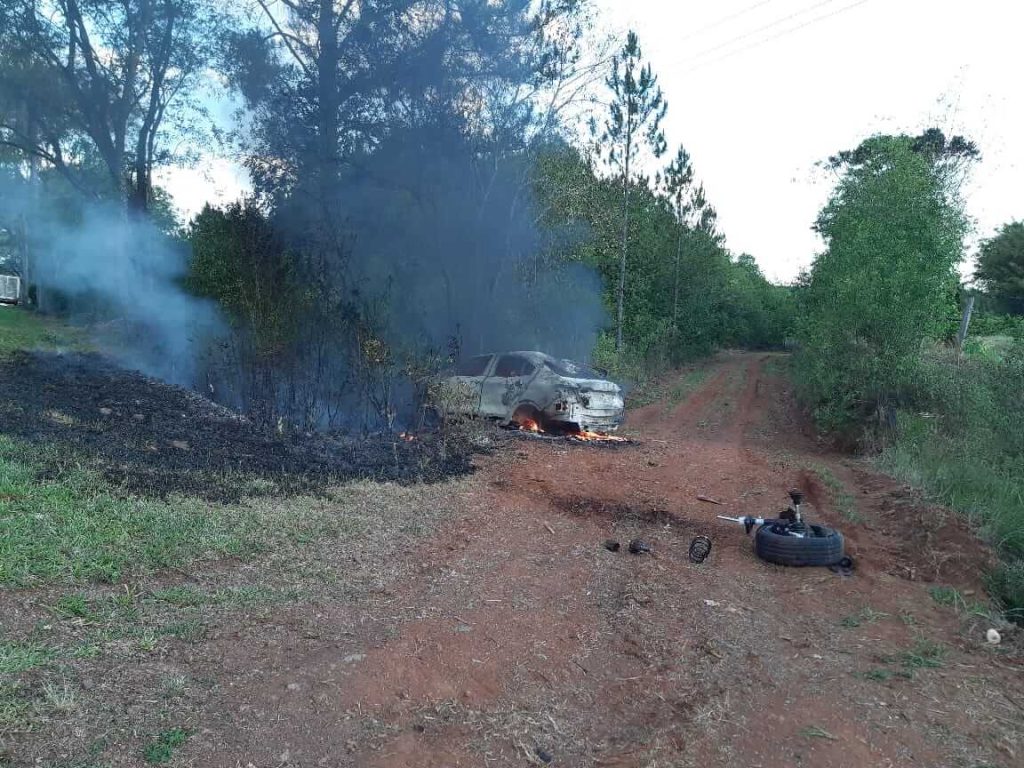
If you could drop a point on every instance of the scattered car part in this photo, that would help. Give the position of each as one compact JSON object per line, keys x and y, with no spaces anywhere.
{"x":816,"y":546}
{"x":543,"y":755}
{"x":700,"y":548}
{"x":993,"y":637}
{"x":639,"y":547}
{"x":788,"y":540}
{"x":612,"y":545}
{"x":844,"y":567}
{"x":709,"y":500}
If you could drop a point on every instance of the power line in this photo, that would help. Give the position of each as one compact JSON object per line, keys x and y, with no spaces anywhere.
{"x":720,"y":22}
{"x":753,"y":32}
{"x":768,"y":39}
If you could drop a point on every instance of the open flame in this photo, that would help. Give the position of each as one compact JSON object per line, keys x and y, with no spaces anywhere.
{"x":530,"y":425}
{"x":407,"y":436}
{"x":583,"y":434}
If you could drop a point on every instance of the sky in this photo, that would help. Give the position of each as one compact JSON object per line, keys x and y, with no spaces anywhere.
{"x":757,"y":114}
{"x":760,"y":91}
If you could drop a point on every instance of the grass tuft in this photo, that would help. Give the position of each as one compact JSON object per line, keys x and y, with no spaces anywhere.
{"x":161,"y":749}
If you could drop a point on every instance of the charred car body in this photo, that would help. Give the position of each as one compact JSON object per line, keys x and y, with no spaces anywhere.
{"x":535,"y":390}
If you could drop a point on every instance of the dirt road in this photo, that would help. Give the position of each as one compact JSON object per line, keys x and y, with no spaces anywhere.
{"x":519,"y":639}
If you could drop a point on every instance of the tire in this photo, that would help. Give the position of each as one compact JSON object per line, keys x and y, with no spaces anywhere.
{"x":823,"y":547}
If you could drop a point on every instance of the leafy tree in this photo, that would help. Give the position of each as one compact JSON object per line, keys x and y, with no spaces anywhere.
{"x":634,"y":120}
{"x":893,"y":231}
{"x":102,"y":79}
{"x":1001,"y":267}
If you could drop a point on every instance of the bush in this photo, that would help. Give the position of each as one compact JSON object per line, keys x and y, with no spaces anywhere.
{"x":963,"y":442}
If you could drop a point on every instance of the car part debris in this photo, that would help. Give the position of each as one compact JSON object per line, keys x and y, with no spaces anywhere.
{"x":789,"y":540}
{"x":993,"y":637}
{"x":612,"y":545}
{"x":639,"y":547}
{"x":844,"y":567}
{"x":700,"y":548}
{"x":709,"y":500}
{"x":543,"y":755}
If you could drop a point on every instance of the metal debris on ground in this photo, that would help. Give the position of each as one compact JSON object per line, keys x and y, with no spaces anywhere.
{"x":844,"y":567}
{"x":544,"y":756}
{"x":700,"y":548}
{"x":639,"y":547}
{"x":612,"y":545}
{"x":709,"y":500}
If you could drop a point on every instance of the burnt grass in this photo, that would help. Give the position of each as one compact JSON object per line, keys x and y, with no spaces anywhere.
{"x":153,"y":439}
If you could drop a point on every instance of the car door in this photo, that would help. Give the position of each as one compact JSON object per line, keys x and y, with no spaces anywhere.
{"x":469,"y":377}
{"x":501,"y":391}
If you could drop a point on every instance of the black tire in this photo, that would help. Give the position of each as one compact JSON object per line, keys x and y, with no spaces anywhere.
{"x":823,"y":547}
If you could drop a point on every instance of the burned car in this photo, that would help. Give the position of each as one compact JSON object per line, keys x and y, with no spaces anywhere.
{"x":535,"y":391}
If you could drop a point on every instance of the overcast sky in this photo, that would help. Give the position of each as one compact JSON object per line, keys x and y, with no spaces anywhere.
{"x":761,"y":90}
{"x":756,"y":113}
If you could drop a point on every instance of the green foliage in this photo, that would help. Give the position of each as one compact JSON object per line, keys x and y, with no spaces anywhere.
{"x":161,"y":749}
{"x":685,"y":295}
{"x":885,"y":283}
{"x":1001,"y":267}
{"x":965,"y":446}
{"x":240,"y":261}
{"x":986,"y":324}
{"x":21,"y":329}
{"x":634,"y":119}
{"x":72,"y":528}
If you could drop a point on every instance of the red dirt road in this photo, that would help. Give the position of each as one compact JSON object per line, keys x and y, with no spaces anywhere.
{"x":520,"y":640}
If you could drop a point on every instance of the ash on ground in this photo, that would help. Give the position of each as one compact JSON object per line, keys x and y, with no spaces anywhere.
{"x":154,"y":439}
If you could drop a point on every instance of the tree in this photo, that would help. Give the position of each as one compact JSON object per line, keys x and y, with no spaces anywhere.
{"x":102,"y":77}
{"x":893,"y":230}
{"x":677,"y":179}
{"x":634,"y":120}
{"x":1000,"y":267}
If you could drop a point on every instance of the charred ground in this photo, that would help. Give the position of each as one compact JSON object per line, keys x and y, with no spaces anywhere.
{"x":154,"y":439}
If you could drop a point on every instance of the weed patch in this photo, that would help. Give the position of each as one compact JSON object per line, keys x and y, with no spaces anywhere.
{"x":19,"y":657}
{"x":926,"y":654}
{"x":864,"y":616}
{"x":161,"y":749}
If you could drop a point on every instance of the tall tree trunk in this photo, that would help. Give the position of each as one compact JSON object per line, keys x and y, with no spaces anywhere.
{"x":675,"y":278}
{"x":327,"y":95}
{"x":625,"y":247}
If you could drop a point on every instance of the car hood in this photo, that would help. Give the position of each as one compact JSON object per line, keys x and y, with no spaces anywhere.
{"x":592,"y":385}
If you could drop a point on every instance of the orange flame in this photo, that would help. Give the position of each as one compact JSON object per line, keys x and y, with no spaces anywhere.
{"x":407,"y":436}
{"x":597,"y":436}
{"x":530,"y":425}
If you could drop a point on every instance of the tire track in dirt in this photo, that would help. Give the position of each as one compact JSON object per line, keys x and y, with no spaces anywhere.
{"x":521,"y":633}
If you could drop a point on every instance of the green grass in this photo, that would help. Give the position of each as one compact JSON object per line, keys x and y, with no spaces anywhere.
{"x":19,"y":657}
{"x":161,"y":749}
{"x":864,"y":616}
{"x":926,"y":654}
{"x":843,"y":500}
{"x":73,"y":528}
{"x":21,"y":329}
{"x":15,"y":708}
{"x":952,"y":597}
{"x":990,"y":493}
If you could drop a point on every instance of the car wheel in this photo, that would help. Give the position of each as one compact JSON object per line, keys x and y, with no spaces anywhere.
{"x":525,"y":416}
{"x":822,"y":546}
